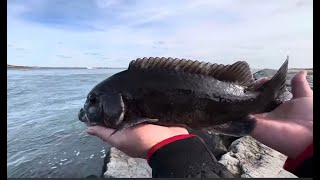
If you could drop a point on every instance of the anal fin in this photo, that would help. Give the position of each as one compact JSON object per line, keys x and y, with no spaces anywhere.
{"x":237,"y":128}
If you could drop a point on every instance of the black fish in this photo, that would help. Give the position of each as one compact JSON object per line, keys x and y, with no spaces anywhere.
{"x":174,"y":92}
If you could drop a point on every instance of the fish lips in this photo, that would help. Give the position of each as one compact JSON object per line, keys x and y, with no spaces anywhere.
{"x":82,"y":116}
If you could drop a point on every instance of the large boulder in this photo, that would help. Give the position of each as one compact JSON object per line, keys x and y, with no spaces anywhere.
{"x":248,"y":158}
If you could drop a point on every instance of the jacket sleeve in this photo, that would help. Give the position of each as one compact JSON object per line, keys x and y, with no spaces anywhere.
{"x":185,"y":156}
{"x":301,"y":166}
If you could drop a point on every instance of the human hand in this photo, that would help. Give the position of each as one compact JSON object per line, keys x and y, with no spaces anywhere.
{"x":138,"y":140}
{"x":289,"y":128}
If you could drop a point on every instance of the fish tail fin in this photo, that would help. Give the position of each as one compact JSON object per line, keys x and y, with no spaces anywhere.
{"x":270,"y":93}
{"x":276,"y":86}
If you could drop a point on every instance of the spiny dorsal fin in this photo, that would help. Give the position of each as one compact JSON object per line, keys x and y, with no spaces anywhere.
{"x":238,"y":72}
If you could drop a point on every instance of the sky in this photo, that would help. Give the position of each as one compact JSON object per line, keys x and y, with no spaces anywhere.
{"x":111,"y":33}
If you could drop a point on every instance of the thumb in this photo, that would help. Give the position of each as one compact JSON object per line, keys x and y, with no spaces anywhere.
{"x":101,"y":132}
{"x":300,"y":86}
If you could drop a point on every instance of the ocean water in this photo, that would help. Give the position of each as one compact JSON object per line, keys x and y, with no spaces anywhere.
{"x":45,"y":137}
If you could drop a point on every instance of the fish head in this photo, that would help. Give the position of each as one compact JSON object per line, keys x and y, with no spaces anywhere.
{"x":103,"y":109}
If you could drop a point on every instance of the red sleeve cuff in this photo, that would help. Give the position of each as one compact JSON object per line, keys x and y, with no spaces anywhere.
{"x":292,"y":164}
{"x":165,"y":142}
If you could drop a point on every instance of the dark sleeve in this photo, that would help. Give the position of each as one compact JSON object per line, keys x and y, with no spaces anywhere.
{"x":301,"y":166}
{"x":184,"y":156}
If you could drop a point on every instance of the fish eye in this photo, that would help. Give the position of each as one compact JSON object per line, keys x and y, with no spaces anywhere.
{"x":92,"y":98}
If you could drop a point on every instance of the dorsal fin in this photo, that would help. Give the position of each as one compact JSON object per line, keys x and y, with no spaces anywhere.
{"x":238,"y":72}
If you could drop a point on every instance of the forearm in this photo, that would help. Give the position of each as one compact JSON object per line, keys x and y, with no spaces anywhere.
{"x":279,"y":136}
{"x":184,"y":156}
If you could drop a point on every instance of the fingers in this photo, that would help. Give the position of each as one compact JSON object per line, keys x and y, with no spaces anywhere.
{"x":260,"y":82}
{"x":300,"y":86}
{"x":101,"y":132}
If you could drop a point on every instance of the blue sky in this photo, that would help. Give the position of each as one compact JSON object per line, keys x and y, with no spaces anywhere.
{"x":113,"y":32}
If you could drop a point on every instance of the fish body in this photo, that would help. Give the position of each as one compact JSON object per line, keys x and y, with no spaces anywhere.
{"x":174,"y":92}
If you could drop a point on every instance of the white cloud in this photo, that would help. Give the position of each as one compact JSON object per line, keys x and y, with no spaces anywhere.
{"x":261,"y":32}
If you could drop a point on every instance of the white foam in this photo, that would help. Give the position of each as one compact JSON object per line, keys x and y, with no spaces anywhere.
{"x":78,"y":153}
{"x":54,"y":167}
{"x":63,"y":160}
{"x":60,"y":163}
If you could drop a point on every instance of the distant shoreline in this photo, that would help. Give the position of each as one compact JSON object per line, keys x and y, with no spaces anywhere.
{"x":39,"y":67}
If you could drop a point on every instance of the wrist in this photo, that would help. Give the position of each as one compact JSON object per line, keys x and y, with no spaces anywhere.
{"x":292,"y":164}
{"x":165,"y":142}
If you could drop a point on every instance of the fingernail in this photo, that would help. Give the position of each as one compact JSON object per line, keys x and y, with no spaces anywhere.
{"x":305,"y":73}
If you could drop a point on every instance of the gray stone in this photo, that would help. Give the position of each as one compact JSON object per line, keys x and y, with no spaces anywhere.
{"x":248,"y":158}
{"x":123,"y":166}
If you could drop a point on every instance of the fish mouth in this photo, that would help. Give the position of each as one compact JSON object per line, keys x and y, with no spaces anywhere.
{"x":83,"y":117}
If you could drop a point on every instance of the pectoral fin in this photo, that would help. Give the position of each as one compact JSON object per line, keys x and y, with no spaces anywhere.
{"x":127,"y":124}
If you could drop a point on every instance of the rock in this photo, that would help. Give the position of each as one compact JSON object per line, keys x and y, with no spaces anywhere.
{"x":248,"y":158}
{"x":122,"y":166}
{"x":217,"y":144}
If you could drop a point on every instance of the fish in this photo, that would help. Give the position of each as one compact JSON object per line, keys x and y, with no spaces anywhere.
{"x":189,"y":93}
